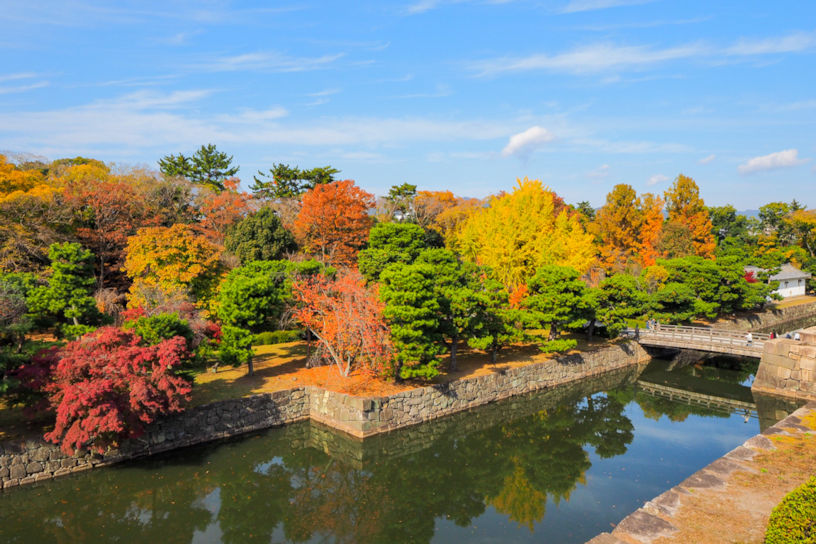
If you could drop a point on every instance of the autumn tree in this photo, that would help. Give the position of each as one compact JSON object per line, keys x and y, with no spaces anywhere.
{"x":686,"y":208}
{"x":222,"y":210}
{"x":67,"y":298}
{"x":172,"y":259}
{"x":557,"y":300}
{"x":651,"y":228}
{"x":284,"y":181}
{"x":428,"y":205}
{"x":208,"y":167}
{"x":260,"y":237}
{"x":14,"y":179}
{"x":105,"y":214}
{"x":524,"y":230}
{"x":618,"y":226}
{"x":333,"y":222}
{"x":346,"y":317}
{"x":106,"y":387}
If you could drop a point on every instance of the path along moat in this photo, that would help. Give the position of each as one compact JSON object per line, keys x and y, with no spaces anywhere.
{"x":556,"y":466}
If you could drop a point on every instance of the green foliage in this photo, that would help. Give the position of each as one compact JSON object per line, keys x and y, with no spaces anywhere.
{"x":794,"y":519}
{"x":673,"y":303}
{"x":558,"y":300}
{"x":284,"y":181}
{"x":726,"y":223}
{"x":208,"y":167}
{"x":390,"y":243}
{"x":559,"y":345}
{"x":412,"y":312}
{"x":617,"y":299}
{"x":276,"y":337}
{"x":156,"y":328}
{"x":719,"y":286}
{"x":67,"y":300}
{"x":236,"y":346}
{"x":401,"y":199}
{"x":260,"y":237}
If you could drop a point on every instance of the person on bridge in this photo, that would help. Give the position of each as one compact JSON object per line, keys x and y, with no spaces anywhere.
{"x":750,"y":338}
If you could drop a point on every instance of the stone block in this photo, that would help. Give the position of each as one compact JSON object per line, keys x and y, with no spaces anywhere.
{"x":17,"y":471}
{"x":34,"y":467}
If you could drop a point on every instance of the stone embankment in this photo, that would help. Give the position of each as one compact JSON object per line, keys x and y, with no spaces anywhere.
{"x":23,"y":462}
{"x":731,"y":499}
{"x":788,"y":367}
{"x":778,"y":319}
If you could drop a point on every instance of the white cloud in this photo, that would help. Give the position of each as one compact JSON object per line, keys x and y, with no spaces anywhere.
{"x":421,"y":7}
{"x":657,"y":178}
{"x":708,"y":159}
{"x":791,"y":43}
{"x":772,"y":161}
{"x":15,"y":77}
{"x":605,"y":57}
{"x":23,"y":88}
{"x":601,"y":172}
{"x":524,"y":143}
{"x":267,"y":61}
{"x":575,"y":6}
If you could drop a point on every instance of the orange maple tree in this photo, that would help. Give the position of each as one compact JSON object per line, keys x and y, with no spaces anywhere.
{"x":346,"y":317}
{"x":222,"y":210}
{"x":333,"y":222}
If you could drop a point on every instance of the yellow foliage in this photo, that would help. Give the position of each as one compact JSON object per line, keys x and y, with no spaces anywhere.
{"x":14,"y":180}
{"x":522,"y":502}
{"x":172,"y":259}
{"x":524,"y":230}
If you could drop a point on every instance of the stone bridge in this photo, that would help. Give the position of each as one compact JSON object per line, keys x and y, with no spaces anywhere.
{"x":701,"y":339}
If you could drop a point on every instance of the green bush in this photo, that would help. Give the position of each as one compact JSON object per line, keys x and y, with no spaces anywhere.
{"x":276,"y":337}
{"x":794,"y":519}
{"x":156,"y":328}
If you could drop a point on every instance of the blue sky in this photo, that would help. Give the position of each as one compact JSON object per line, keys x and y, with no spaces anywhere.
{"x":460,"y":95}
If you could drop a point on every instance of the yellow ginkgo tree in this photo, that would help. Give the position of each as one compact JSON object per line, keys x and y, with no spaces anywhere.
{"x":518,"y":232}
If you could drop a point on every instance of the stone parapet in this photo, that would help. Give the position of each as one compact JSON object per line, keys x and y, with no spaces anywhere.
{"x":27,"y":461}
{"x":788,"y":367}
{"x":779,"y":319}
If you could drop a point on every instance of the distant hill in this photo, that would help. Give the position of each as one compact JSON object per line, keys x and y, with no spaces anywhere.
{"x":748,"y":213}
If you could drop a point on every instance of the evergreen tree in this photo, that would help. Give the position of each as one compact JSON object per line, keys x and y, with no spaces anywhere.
{"x":208,"y":167}
{"x":260,"y":237}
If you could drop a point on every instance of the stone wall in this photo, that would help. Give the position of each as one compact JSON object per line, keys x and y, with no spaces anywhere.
{"x":788,"y":367}
{"x":666,"y":517}
{"x":26,"y":461}
{"x":779,"y":319}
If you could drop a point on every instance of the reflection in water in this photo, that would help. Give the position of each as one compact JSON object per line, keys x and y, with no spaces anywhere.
{"x":545,"y":467}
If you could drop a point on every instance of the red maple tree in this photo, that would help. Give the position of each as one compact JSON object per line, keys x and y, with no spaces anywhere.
{"x":346,"y":317}
{"x":333,"y":221}
{"x":105,"y":387}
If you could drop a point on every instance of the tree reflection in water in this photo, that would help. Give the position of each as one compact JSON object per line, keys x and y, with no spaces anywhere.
{"x":278,"y":486}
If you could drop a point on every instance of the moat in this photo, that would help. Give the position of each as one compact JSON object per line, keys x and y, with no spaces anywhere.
{"x":556,"y":466}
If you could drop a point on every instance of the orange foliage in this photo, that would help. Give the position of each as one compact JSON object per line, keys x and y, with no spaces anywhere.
{"x":346,"y":316}
{"x":651,"y":226}
{"x":429,"y":204}
{"x":685,"y":207}
{"x":220,"y":211}
{"x":333,"y":222}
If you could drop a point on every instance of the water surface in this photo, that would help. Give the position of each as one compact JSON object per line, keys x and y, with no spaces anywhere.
{"x":559,"y":466}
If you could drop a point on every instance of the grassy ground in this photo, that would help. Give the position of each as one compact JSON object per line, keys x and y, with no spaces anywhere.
{"x":283,"y":366}
{"x":795,"y":301}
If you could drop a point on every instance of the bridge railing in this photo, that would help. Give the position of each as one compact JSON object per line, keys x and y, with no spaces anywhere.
{"x":700,"y":335}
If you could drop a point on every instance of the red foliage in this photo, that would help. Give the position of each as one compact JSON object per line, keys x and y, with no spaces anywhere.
{"x":105,"y":387}
{"x":132,"y":314}
{"x":346,"y":316}
{"x":334,"y":222}
{"x":750,"y":277}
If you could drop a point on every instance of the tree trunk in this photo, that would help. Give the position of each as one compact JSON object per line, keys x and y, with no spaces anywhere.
{"x":250,"y":367}
{"x":494,"y":353}
{"x":590,"y":329}
{"x":454,"y":346}
{"x":553,"y":331}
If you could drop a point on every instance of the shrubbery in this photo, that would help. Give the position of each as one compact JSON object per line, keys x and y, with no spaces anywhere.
{"x":276,"y":337}
{"x":794,"y":519}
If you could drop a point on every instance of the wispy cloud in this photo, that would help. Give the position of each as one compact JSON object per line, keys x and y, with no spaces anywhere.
{"x":575,"y":6}
{"x":657,"y":178}
{"x":599,"y":173}
{"x":708,"y":159}
{"x":267,"y":61}
{"x":773,"y":161}
{"x":524,"y":143}
{"x":18,"y":76}
{"x":23,"y":88}
{"x":442,"y":90}
{"x":606,"y":57}
{"x":421,"y":7}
